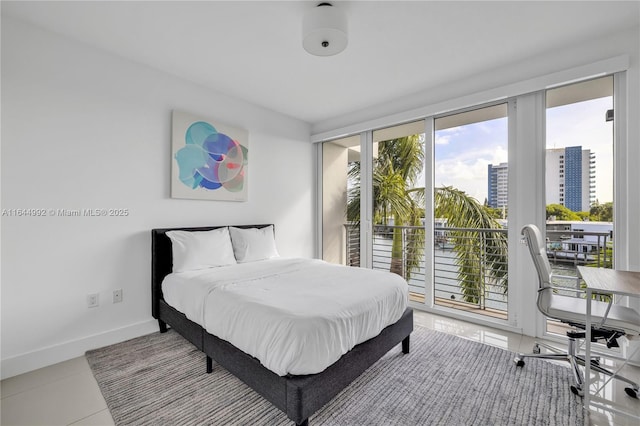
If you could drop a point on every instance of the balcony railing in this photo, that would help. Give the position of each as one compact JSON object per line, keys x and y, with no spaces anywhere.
{"x":567,"y":247}
{"x":482,"y":290}
{"x":482,"y":287}
{"x":485,"y":288}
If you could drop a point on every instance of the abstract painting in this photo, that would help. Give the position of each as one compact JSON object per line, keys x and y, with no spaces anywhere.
{"x":209,"y":159}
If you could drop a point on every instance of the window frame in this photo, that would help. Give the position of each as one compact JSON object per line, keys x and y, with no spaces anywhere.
{"x":527,"y":134}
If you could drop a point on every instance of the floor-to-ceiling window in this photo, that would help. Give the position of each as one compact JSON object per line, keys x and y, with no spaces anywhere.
{"x":579,"y":178}
{"x":446,"y":225}
{"x":397,"y":210}
{"x":470,"y":212}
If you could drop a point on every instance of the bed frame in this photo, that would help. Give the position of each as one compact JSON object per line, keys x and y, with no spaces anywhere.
{"x":297,"y":396}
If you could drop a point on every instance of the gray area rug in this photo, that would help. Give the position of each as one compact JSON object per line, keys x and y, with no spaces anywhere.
{"x":160,"y":379}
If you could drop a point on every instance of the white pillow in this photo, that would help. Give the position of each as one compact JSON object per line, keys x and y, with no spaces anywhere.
{"x":201,"y":249}
{"x":251,"y":244}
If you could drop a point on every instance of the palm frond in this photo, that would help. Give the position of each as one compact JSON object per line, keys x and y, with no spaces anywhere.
{"x":479,"y":254}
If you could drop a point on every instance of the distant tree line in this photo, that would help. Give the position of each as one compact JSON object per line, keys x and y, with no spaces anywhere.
{"x":597,"y":213}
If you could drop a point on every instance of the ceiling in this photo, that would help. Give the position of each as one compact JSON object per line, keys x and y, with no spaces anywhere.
{"x":253,"y":49}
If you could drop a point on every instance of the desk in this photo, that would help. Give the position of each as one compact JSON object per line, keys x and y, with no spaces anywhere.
{"x":603,"y":281}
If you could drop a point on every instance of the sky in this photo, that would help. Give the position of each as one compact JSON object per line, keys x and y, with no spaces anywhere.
{"x":463,"y":153}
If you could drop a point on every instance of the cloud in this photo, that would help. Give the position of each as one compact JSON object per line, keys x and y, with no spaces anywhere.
{"x":470,"y":177}
{"x":467,"y":170}
{"x":583,"y":124}
{"x":443,"y":139}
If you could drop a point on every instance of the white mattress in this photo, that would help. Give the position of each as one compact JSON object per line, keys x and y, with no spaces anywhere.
{"x":297,"y":316}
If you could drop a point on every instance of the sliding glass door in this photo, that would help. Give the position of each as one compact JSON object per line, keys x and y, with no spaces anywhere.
{"x":579,"y":180}
{"x":470,"y":211}
{"x":397,"y":188}
{"x":441,"y":200}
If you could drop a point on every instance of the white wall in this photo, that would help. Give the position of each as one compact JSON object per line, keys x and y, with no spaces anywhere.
{"x":85,"y":129}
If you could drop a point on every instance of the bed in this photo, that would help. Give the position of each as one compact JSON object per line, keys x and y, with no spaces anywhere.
{"x":297,"y":395}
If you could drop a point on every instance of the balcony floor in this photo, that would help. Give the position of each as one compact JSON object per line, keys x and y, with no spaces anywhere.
{"x":461,"y":306}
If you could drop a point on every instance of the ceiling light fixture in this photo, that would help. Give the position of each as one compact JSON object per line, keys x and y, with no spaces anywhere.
{"x":324,"y":30}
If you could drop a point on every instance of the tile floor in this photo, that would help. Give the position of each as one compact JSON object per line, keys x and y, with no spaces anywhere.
{"x":67,"y":393}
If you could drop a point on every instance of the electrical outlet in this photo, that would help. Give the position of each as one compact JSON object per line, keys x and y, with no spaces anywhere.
{"x":92,"y":300}
{"x":117,"y":295}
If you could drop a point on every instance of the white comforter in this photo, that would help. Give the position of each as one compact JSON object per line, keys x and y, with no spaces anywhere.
{"x":297,"y":316}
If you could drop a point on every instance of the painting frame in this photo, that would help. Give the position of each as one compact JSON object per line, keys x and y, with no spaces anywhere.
{"x":209,"y":159}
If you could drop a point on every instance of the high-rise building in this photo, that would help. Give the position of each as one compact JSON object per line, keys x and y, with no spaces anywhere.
{"x":570,"y":179}
{"x":497,"y":185}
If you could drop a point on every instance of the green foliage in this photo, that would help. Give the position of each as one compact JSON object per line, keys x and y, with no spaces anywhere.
{"x":395,"y":170}
{"x":584,"y":215}
{"x":597,"y":213}
{"x":494,"y":212}
{"x":561,"y":213}
{"x":602,"y":212}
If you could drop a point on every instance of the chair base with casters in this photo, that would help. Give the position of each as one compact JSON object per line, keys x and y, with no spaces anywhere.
{"x":576,"y":360}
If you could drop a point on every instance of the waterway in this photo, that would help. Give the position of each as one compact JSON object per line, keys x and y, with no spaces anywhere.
{"x":446,"y":277}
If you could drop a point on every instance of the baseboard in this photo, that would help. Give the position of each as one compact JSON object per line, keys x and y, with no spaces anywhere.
{"x":54,"y":354}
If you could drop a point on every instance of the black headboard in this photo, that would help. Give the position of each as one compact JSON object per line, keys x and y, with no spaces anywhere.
{"x":162,"y":258}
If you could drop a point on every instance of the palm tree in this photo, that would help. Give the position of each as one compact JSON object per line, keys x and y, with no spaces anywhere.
{"x":395,"y":172}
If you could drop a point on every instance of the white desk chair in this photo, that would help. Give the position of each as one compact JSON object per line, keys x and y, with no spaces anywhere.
{"x":572,"y":310}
